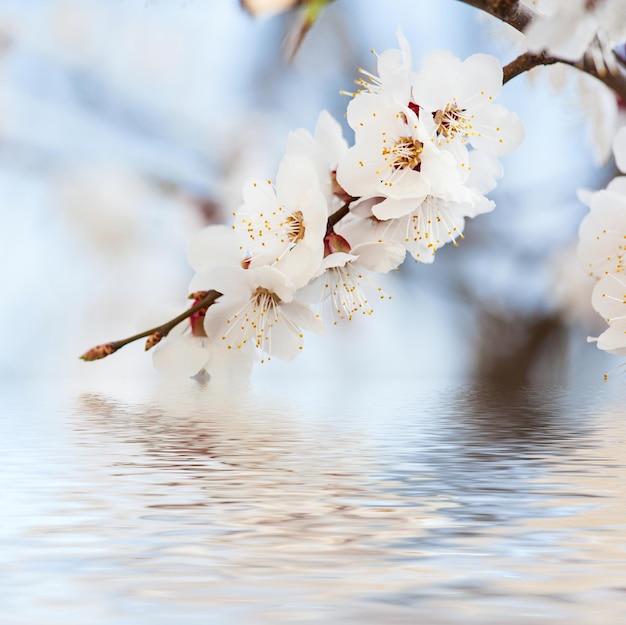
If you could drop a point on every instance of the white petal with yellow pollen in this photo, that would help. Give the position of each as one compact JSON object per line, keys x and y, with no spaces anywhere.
{"x":265,"y":315}
{"x":602,"y":234}
{"x":459,"y":95}
{"x":274,"y":220}
{"x":609,"y":298}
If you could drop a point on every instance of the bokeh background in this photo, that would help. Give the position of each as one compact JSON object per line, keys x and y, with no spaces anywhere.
{"x":126,"y":126}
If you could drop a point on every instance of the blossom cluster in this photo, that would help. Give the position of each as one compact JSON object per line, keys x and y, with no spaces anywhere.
{"x":302,"y":249}
{"x":602,"y":251}
{"x":567,"y":28}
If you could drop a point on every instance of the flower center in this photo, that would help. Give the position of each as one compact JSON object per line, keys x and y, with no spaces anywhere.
{"x":450,"y":121}
{"x":265,"y":298}
{"x":405,"y":154}
{"x":294,"y":227}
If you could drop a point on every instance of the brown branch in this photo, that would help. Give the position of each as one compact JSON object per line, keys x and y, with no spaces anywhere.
{"x":339,"y":214}
{"x":509,"y":11}
{"x":518,"y":16}
{"x":525,"y":62}
{"x":106,"y":349}
{"x":154,"y":335}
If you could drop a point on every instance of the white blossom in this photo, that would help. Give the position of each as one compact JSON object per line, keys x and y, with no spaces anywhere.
{"x":434,"y":222}
{"x":394,"y":158}
{"x":187,"y":351}
{"x":285,"y":224}
{"x":346,"y":272}
{"x":258,"y":307}
{"x":325,"y":148}
{"x":609,"y":299}
{"x":602,"y":233}
{"x":393,"y":79}
{"x":214,"y":246}
{"x":457,"y":98}
{"x":420,"y":150}
{"x":566,"y":28}
{"x":602,"y":113}
{"x":619,"y":149}
{"x":602,"y":251}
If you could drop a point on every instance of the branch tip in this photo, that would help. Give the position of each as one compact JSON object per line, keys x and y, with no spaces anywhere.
{"x":154,"y":339}
{"x":98,"y":352}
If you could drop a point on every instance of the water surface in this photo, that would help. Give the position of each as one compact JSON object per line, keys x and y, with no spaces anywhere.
{"x":319,"y":502}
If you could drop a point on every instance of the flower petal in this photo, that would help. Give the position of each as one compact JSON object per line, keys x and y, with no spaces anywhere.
{"x":213,"y":246}
{"x":380,"y":257}
{"x":182,"y":356}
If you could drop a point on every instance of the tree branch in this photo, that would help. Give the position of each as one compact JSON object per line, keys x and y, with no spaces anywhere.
{"x":154,"y":334}
{"x":509,"y":11}
{"x":339,"y":214}
{"x":518,"y":16}
{"x":524,"y":62}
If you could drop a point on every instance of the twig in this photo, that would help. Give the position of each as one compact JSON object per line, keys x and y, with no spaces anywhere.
{"x":518,"y":16}
{"x":155,"y":334}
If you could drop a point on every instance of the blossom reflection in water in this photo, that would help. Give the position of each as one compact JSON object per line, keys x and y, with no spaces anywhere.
{"x":390,"y":502}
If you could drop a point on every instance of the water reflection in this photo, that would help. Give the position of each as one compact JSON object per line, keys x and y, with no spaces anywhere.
{"x":392,"y":502}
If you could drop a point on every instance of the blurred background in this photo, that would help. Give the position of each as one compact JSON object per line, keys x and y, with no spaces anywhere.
{"x":127,"y":126}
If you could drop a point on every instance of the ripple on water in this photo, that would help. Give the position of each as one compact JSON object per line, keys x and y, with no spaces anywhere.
{"x":383,"y":503}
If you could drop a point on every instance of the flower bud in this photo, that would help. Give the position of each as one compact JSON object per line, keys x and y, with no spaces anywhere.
{"x":153,"y":339}
{"x":98,"y":352}
{"x":334,"y":242}
{"x":197,"y":295}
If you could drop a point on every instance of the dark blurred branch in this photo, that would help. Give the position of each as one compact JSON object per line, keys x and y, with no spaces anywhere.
{"x":509,"y":11}
{"x":518,"y":16}
{"x":511,"y":347}
{"x":525,"y":62}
